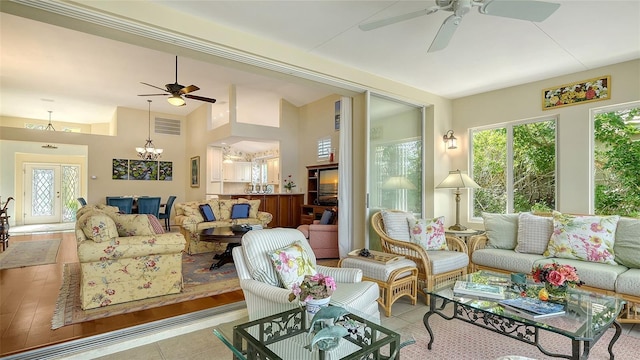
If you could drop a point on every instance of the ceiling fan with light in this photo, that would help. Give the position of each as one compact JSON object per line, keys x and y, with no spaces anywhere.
{"x":178,"y":92}
{"x":528,"y":10}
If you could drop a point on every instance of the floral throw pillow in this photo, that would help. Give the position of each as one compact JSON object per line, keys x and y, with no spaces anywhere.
{"x":588,"y":238}
{"x":98,"y":227}
{"x":291,"y":264}
{"x":428,"y":233}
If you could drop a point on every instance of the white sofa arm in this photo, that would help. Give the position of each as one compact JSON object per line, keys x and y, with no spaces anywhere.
{"x":341,"y":275}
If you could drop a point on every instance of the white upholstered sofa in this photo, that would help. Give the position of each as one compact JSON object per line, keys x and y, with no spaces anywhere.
{"x":609,"y":263}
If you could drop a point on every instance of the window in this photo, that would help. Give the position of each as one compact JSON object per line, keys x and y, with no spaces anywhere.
{"x":616,"y":161}
{"x":515,"y":165}
{"x":324,"y":149}
{"x":399,"y":175}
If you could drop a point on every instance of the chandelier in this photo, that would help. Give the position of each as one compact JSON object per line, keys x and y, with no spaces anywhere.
{"x":50,"y":126}
{"x":149,"y":151}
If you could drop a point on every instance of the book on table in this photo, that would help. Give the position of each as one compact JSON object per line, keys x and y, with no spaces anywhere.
{"x":480,"y":290}
{"x":532,"y":308}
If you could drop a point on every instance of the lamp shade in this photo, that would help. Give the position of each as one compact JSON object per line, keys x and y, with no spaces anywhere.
{"x":457,"y":180}
{"x":398,"y":183}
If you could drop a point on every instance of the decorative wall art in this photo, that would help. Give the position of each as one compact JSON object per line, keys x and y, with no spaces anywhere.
{"x":195,"y":171}
{"x":337,"y":116}
{"x":125,"y":169}
{"x":577,"y":93}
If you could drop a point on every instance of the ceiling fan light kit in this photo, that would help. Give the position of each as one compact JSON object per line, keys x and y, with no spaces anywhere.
{"x":528,"y":10}
{"x":176,"y":100}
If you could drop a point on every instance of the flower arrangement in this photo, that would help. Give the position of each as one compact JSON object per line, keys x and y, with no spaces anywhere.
{"x":556,"y":275}
{"x":318,"y":286}
{"x":288,"y":183}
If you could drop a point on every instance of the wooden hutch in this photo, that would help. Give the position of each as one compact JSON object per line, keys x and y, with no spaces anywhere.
{"x":313,"y":209}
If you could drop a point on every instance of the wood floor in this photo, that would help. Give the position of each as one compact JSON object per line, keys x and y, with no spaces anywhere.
{"x":28,"y":296}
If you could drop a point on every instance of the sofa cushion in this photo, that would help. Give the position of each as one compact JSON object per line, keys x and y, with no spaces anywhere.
{"x":445,"y":261}
{"x":629,"y":282}
{"x":255,"y":206}
{"x":131,"y":247}
{"x":292,"y":263}
{"x":327,"y":217}
{"x":215,"y":206}
{"x":132,"y":224}
{"x":599,"y":275}
{"x":155,"y":224}
{"x":225,"y":208}
{"x":534,"y":233}
{"x":627,"y":244}
{"x":207,"y":212}
{"x":502,"y":230}
{"x":98,"y":227}
{"x":505,"y":259}
{"x":240,"y":211}
{"x":428,"y":233}
{"x":588,"y":238}
{"x":396,"y":224}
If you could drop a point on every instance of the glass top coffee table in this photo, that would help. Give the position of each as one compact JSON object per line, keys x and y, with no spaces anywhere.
{"x":286,"y":336}
{"x":587,"y":315}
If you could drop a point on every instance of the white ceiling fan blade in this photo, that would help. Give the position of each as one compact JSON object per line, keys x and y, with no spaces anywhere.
{"x":520,"y":9}
{"x":395,"y":19}
{"x":446,"y":31}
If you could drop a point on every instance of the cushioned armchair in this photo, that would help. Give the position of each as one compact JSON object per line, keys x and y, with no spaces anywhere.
{"x":262,"y":288}
{"x":434,"y":266}
{"x":323,"y":236}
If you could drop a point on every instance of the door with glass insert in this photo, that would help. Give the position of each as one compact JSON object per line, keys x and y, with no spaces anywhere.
{"x":50,"y":191}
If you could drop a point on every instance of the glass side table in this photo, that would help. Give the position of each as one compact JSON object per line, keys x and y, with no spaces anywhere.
{"x":464,"y":234}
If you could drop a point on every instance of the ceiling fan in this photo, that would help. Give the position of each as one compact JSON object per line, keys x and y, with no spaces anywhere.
{"x":529,"y":10}
{"x":177,"y":92}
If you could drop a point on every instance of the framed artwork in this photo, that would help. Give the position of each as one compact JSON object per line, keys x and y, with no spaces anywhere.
{"x":336,"y":124}
{"x":143,"y":170}
{"x":195,"y":171}
{"x":165,"y":171}
{"x":120,"y":169}
{"x":595,"y":89}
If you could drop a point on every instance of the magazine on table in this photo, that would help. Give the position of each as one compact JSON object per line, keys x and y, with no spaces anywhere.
{"x":480,"y":290}
{"x":532,"y":308}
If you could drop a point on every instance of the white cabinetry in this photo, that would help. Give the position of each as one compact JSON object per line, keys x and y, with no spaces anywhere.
{"x":238,"y":171}
{"x":273,"y":171}
{"x":216,"y":164}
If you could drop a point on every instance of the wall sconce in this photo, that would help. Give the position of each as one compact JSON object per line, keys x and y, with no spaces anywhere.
{"x":450,"y":140}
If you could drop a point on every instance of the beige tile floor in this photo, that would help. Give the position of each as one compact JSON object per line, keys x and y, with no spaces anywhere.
{"x":203,"y":344}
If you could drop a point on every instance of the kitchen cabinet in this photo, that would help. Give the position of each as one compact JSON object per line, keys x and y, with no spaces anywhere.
{"x":273,"y":171}
{"x":238,"y":171}
{"x":215,"y":154}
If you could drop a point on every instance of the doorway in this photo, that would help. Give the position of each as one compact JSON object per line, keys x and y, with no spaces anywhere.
{"x":50,"y":193}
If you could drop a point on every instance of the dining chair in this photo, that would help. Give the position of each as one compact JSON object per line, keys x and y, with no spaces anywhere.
{"x":166,"y":214}
{"x":125,"y":204}
{"x":149,"y":205}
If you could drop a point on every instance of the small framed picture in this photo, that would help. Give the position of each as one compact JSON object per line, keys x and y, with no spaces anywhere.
{"x":195,"y":171}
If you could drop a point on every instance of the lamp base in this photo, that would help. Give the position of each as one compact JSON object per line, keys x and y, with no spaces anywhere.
{"x":457,"y":227}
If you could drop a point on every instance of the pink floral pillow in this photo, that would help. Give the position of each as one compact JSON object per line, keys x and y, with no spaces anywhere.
{"x":588,"y":238}
{"x":428,"y":233}
{"x":291,"y":264}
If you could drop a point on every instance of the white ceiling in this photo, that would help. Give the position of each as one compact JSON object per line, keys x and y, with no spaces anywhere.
{"x":82,"y":77}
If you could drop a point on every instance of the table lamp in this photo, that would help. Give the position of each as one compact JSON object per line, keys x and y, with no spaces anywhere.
{"x":398,"y":183}
{"x":457,"y":180}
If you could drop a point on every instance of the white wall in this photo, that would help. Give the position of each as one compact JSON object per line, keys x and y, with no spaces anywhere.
{"x":574,"y":134}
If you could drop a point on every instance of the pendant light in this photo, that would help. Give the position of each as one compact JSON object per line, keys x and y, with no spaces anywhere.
{"x":149,"y":151}
{"x":50,"y":127}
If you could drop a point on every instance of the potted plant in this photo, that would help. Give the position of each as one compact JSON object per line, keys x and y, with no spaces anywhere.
{"x":314,"y":290}
{"x":289,"y":184}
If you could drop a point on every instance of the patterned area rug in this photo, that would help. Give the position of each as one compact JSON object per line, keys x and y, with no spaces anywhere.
{"x":458,"y":340}
{"x":29,"y":253}
{"x":199,"y":282}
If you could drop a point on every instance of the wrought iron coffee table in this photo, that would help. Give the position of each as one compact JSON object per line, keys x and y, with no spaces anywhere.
{"x":588,"y":316}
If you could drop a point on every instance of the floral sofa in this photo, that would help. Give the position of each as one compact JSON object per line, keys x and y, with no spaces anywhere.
{"x":191,"y":222}
{"x":125,"y":257}
{"x":605,"y":250}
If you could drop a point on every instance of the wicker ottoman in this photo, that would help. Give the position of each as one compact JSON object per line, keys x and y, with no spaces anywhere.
{"x":395,"y":279}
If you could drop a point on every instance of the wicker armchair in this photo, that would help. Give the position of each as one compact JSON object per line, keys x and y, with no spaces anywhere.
{"x":425,"y":260}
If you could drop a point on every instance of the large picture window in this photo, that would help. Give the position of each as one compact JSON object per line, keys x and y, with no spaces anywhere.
{"x":616,"y":161}
{"x":515,"y":165}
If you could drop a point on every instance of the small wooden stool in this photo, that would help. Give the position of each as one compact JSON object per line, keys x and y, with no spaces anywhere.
{"x":395,"y":276}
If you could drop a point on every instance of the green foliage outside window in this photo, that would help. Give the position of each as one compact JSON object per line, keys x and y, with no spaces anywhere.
{"x":617,"y":162}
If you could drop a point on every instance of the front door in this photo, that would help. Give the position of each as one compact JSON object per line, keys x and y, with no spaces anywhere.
{"x":50,"y":193}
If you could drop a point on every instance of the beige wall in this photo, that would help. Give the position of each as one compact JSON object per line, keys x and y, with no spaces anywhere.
{"x":574,"y":134}
{"x":10,"y":121}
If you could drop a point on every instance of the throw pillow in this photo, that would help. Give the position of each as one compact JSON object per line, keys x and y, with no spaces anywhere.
{"x":155,"y":224}
{"x":225,"y":208}
{"x":627,"y":246}
{"x":587,"y":238}
{"x":98,"y":227}
{"x":132,"y":224}
{"x":291,"y":264}
{"x":240,"y":211}
{"x":428,"y":233}
{"x":327,"y":217}
{"x":502,"y":230}
{"x":396,"y":224}
{"x":533,"y":233}
{"x":255,"y":206}
{"x":207,"y":212}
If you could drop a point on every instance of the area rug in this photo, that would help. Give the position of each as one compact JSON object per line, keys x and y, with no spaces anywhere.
{"x":199,"y":282}
{"x":29,"y":253}
{"x":458,"y":340}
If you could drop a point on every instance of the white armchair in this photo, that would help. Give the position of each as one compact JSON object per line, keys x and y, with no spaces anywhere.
{"x":264,"y":295}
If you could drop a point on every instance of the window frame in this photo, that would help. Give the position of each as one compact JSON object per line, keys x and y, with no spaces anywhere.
{"x":323,"y":148}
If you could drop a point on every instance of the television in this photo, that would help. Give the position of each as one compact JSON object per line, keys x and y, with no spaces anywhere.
{"x":328,"y":187}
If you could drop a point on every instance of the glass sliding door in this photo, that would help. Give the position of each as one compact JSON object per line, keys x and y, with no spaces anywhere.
{"x":394,"y":164}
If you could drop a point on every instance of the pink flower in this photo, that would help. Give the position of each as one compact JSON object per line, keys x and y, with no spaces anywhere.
{"x":596,"y":227}
{"x":555,"y":278}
